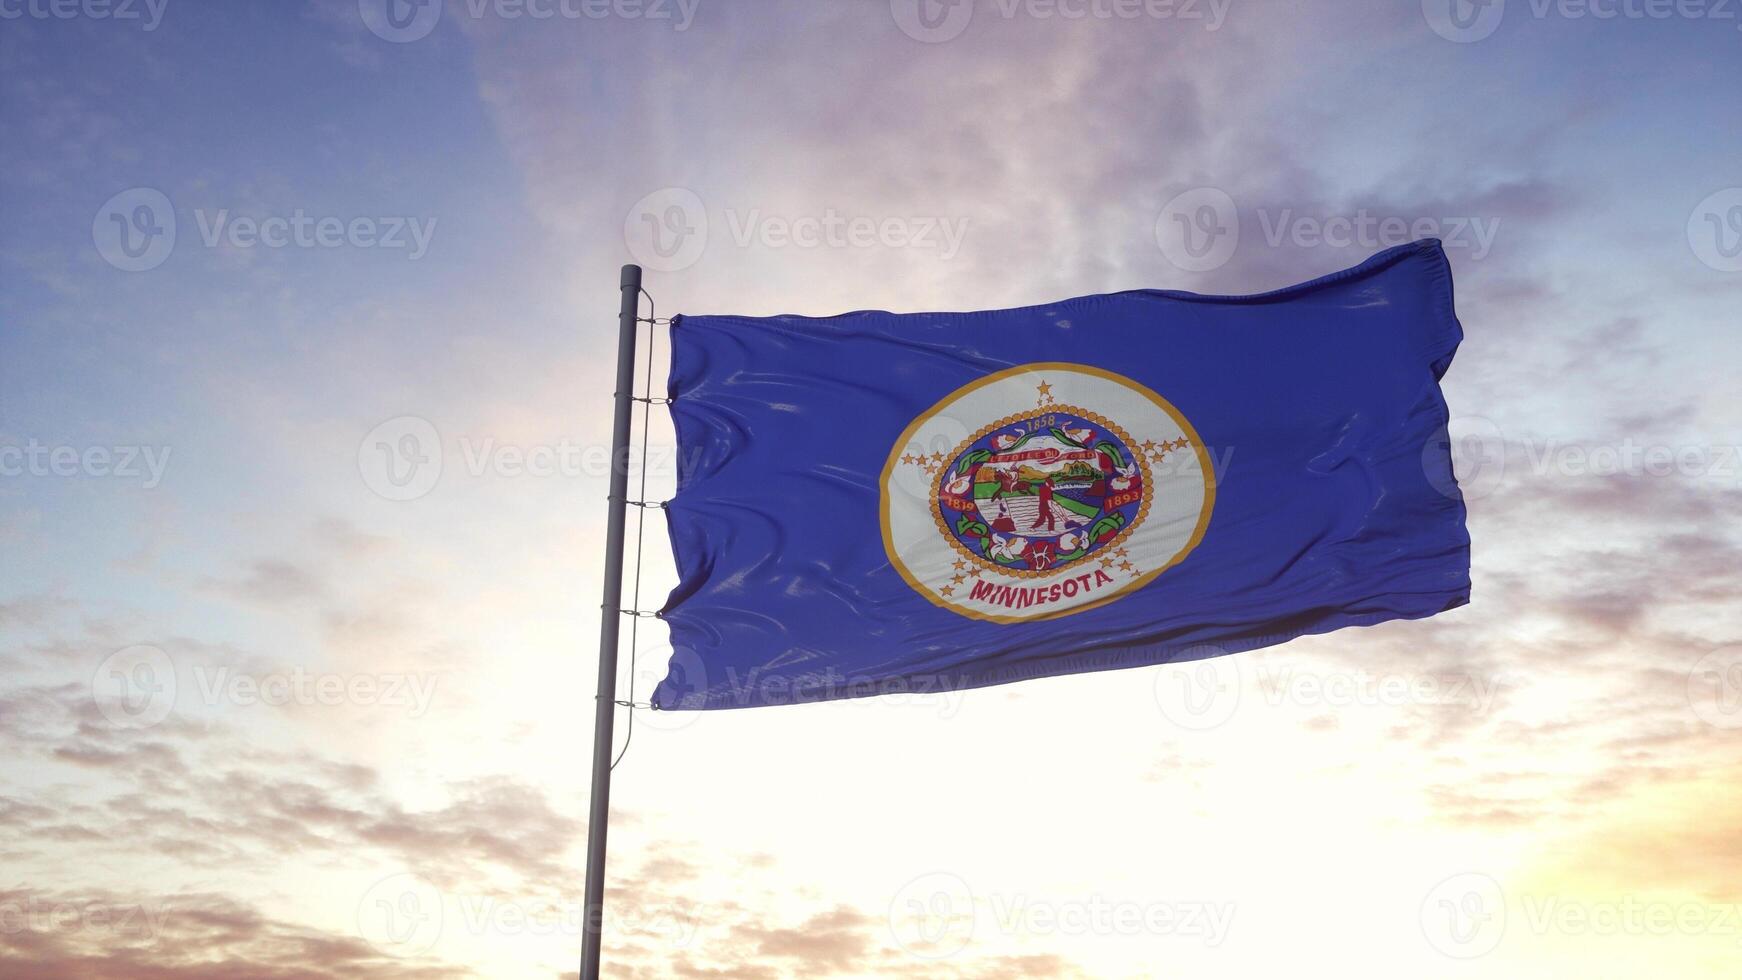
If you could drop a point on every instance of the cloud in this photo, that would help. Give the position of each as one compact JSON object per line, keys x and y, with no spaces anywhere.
{"x":202,"y":791}
{"x":105,"y":935}
{"x":272,"y":582}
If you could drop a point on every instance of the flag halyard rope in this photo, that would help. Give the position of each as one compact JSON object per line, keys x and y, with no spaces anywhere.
{"x":643,"y":505}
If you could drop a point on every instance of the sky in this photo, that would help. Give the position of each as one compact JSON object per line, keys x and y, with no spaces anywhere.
{"x":307,"y":320}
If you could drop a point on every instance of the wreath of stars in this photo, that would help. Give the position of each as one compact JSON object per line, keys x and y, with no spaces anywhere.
{"x":932,"y":464}
{"x":1156,"y":451}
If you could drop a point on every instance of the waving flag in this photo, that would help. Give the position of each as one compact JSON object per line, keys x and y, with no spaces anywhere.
{"x":875,"y":503}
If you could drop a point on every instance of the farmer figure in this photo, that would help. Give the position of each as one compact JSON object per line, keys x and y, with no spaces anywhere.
{"x":1045,"y":520}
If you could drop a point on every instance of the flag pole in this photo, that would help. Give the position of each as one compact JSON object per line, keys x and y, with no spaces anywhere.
{"x":610,"y":615}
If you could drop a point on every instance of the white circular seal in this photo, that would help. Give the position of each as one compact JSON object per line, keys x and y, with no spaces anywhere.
{"x":1044,"y":490}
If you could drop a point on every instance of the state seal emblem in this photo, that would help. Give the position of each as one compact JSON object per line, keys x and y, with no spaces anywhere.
{"x":1043,"y":490}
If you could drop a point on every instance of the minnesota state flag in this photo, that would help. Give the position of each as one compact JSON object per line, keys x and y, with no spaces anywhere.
{"x":877,"y":503}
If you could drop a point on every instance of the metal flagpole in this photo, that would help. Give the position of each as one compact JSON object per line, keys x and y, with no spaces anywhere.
{"x":610,"y":615}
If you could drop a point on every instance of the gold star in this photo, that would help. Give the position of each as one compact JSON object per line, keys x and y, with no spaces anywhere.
{"x":938,"y":459}
{"x":1127,"y":566}
{"x":908,"y":459}
{"x":1045,"y":389}
{"x":1121,"y":552}
{"x":946,"y":590}
{"x":958,"y":579}
{"x":1148,"y":445}
{"x":960,"y":564}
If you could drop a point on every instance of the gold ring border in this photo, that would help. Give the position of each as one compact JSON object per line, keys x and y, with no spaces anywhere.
{"x":937,"y":511}
{"x":1036,"y":368}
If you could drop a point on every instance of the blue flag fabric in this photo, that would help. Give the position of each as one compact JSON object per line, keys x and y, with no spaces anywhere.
{"x":877,"y":503}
